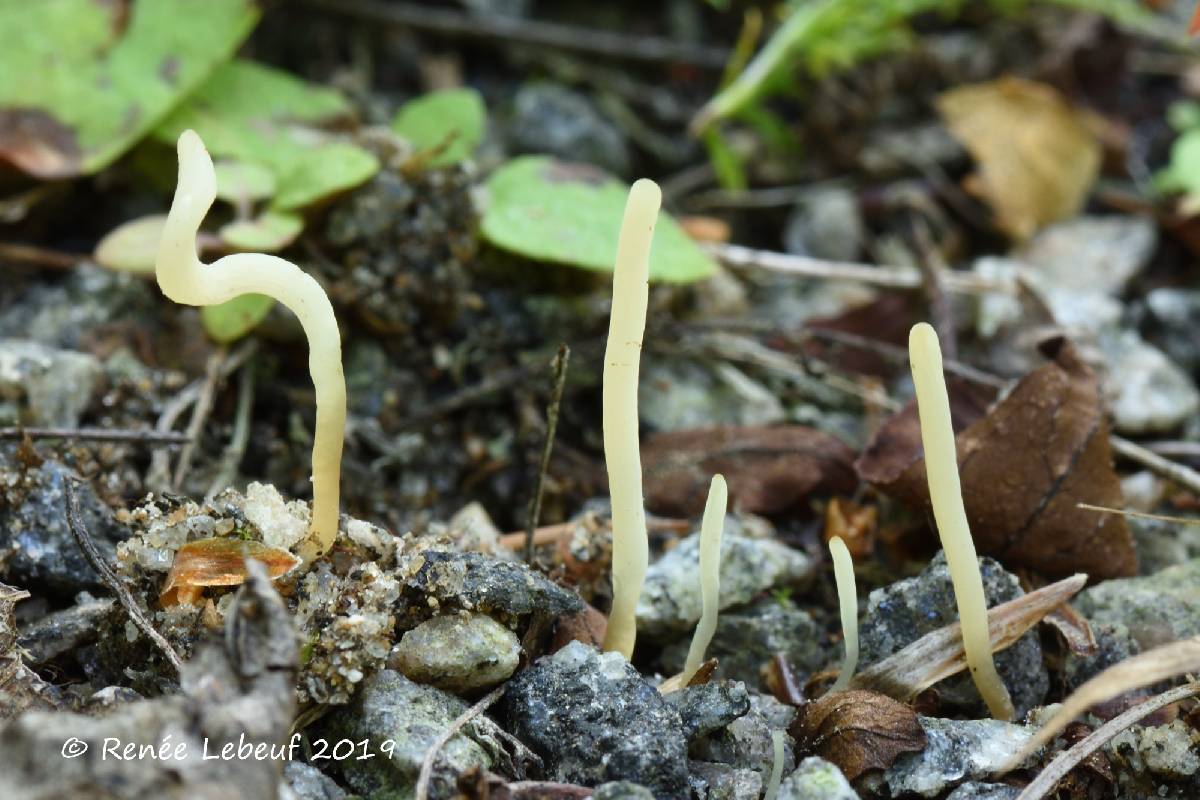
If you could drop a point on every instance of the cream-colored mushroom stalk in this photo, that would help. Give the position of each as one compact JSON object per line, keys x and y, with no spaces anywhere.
{"x":945,"y":492}
{"x":712,"y":526}
{"x":843,"y":576}
{"x":622,"y":359}
{"x":184,"y":278}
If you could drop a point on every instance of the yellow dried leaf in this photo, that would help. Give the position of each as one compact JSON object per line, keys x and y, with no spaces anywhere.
{"x":218,"y":562}
{"x":1036,"y":154}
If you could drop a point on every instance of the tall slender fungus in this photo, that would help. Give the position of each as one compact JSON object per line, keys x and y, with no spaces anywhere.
{"x":184,"y":278}
{"x":622,"y":359}
{"x":941,"y":466}
{"x":843,"y":575}
{"x":711,"y":528}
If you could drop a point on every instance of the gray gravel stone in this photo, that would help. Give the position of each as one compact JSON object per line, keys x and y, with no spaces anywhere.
{"x":458,"y":653}
{"x":958,"y":750}
{"x":550,"y":118}
{"x":1174,"y":314}
{"x":984,"y":791}
{"x":681,"y":393}
{"x":746,"y":742}
{"x":712,"y":781}
{"x":1092,"y":254}
{"x":475,"y":582}
{"x":825,"y":224}
{"x":749,"y":637}
{"x":816,"y":779}
{"x":592,"y":718}
{"x":1155,"y":609}
{"x":1146,"y":392}
{"x":306,"y":782}
{"x":1170,"y":751}
{"x":34,"y":532}
{"x":622,"y":790}
{"x":709,"y":707}
{"x":391,"y":708}
{"x":901,"y":613}
{"x":41,"y":385}
{"x":64,"y":631}
{"x":670,"y":601}
{"x":1114,"y":644}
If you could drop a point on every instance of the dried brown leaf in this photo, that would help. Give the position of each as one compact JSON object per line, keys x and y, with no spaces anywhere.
{"x":1037,"y":156}
{"x":1074,"y":629}
{"x":1025,"y":467}
{"x":939,"y":654}
{"x":588,"y":626}
{"x":853,"y":524}
{"x":219,"y":562}
{"x":857,"y":730}
{"x":768,"y":469}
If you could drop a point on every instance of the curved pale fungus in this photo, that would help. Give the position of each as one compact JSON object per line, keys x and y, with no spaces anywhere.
{"x":622,"y":455}
{"x":184,"y":278}
{"x":945,"y":493}
{"x":843,"y":576}
{"x":711,"y":528}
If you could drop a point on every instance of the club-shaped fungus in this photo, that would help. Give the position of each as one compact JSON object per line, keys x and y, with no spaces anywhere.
{"x":711,"y":528}
{"x":622,"y":455}
{"x":843,"y":576}
{"x":184,"y":278}
{"x":945,"y":493}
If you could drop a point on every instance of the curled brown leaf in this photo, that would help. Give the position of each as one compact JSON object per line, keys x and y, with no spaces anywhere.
{"x":857,"y":730}
{"x":1025,"y":467}
{"x":768,"y":469}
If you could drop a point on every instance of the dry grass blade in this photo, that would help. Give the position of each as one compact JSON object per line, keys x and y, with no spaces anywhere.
{"x":939,"y":654}
{"x":1159,"y":664}
{"x":1067,"y":760}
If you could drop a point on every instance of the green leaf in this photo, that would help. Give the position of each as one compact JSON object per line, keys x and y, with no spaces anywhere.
{"x":452,"y":119}
{"x":267,"y":233}
{"x":243,"y":182}
{"x":549,"y":210}
{"x":230,"y":321}
{"x":259,"y":115}
{"x":85,"y":80}
{"x":132,"y":246}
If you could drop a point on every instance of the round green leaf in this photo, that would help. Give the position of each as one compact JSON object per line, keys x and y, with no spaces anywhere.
{"x":230,"y":321}
{"x":452,"y":119}
{"x":243,"y":181}
{"x":549,"y":210}
{"x":269,"y":232}
{"x":132,"y":246}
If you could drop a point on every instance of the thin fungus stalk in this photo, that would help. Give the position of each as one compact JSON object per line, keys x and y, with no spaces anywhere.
{"x":184,"y":278}
{"x":622,"y":455}
{"x":843,"y":576}
{"x":945,"y":492}
{"x":711,"y":528}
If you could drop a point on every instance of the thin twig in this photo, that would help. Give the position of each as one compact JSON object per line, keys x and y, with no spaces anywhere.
{"x":200,"y":412}
{"x":124,"y":435}
{"x":1174,"y":449}
{"x":899,"y":355}
{"x":890,"y":277}
{"x":422,"y":789}
{"x":1173,"y":471}
{"x":514,"y":29}
{"x":1124,"y":512}
{"x":1065,"y":761}
{"x":933,"y":274}
{"x":98,"y":562}
{"x":41,"y":256}
{"x":236,"y":449}
{"x":157,"y":476}
{"x":535,"y":502}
